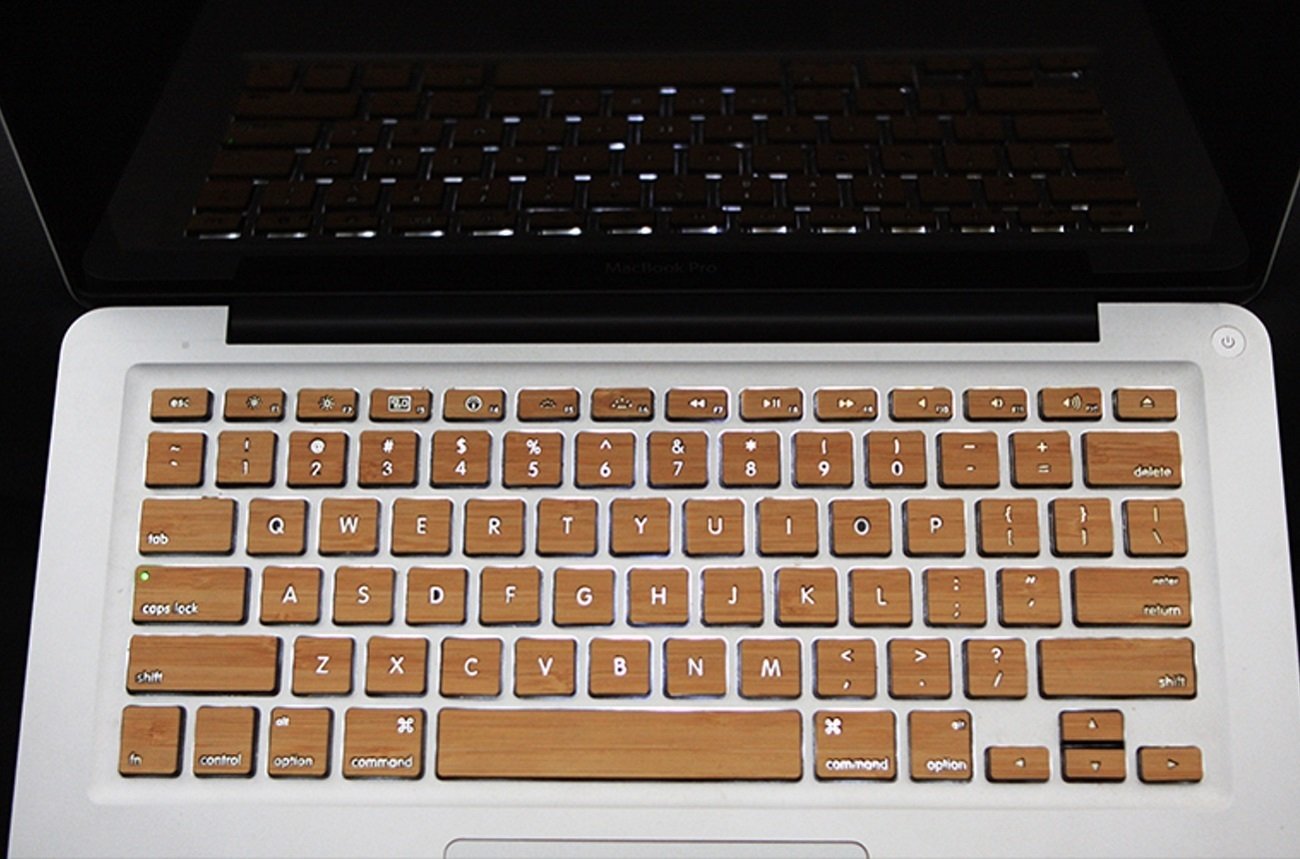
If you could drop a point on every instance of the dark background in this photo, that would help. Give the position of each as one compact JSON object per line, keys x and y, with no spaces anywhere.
{"x":35,"y":309}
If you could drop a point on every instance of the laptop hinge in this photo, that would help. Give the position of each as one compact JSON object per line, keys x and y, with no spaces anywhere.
{"x":665,"y":318}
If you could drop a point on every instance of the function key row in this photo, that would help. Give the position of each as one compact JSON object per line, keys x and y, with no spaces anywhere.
{"x":681,"y":404}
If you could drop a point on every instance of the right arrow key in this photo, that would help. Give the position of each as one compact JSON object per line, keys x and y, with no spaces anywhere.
{"x":1170,"y":764}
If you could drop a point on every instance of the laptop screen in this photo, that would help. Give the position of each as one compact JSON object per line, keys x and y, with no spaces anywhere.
{"x":853,"y":150}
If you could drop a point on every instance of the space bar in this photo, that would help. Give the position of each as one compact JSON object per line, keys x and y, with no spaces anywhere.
{"x":695,"y":745}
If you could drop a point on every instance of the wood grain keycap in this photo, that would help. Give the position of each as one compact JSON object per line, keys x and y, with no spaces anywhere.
{"x":751,"y":459}
{"x":771,"y":404}
{"x":510,"y":595}
{"x":299,"y":744}
{"x":383,"y":743}
{"x":896,"y":458}
{"x":846,"y":404}
{"x":584,"y":596}
{"x":245,"y":458}
{"x":190,"y":594}
{"x":566,"y":526}
{"x":1132,"y":459}
{"x":349,"y":526}
{"x":532,"y":459}
{"x":678,"y":459}
{"x":1041,"y":459}
{"x":421,"y":526}
{"x":1070,"y":404}
{"x":881,"y":596}
{"x":639,"y":526}
{"x":401,"y":404}
{"x":203,"y":663}
{"x":622,"y":404}
{"x":1007,"y":526}
{"x":1092,"y":726}
{"x":920,"y":404}
{"x":787,"y":526}
{"x":845,"y":668}
{"x":322,"y":665}
{"x":224,"y":741}
{"x":861,"y":526}
{"x":939,"y":745}
{"x":387,"y":458}
{"x":548,"y":404}
{"x":605,"y":459}
{"x":474,"y":404}
{"x":1117,"y":668}
{"x":277,"y":526}
{"x":1017,"y":763}
{"x":1082,"y":526}
{"x":363,"y":595}
{"x":396,"y":665}
{"x":544,"y":666}
{"x":618,"y":667}
{"x":1029,"y":596}
{"x":714,"y":526}
{"x":955,"y":597}
{"x":658,"y":596}
{"x":855,"y":744}
{"x":291,"y":594}
{"x":327,"y":404}
{"x":1155,"y":528}
{"x":171,"y":526}
{"x":150,"y":742}
{"x":318,"y":459}
{"x":180,"y":404}
{"x":1146,"y":404}
{"x":1093,"y":763}
{"x":996,"y":404}
{"x":920,"y":668}
{"x":823,"y":459}
{"x":1132,"y":596}
{"x":461,"y":458}
{"x":697,"y":404}
{"x":687,"y":745}
{"x":695,"y":667}
{"x":807,"y":596}
{"x":494,"y":526}
{"x":254,"y":404}
{"x":996,"y":668}
{"x":175,"y":459}
{"x":770,"y":668}
{"x":1170,"y":764}
{"x":968,"y":459}
{"x":732,"y":596}
{"x":470,"y":667}
{"x":934,"y":526}
{"x":436,"y":595}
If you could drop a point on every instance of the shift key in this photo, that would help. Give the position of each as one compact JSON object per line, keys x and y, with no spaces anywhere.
{"x":187,"y":526}
{"x":203,"y":663}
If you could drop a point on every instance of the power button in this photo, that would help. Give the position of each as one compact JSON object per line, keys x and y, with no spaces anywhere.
{"x":1229,"y":342}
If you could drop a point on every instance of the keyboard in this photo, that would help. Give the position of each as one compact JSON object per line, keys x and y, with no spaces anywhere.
{"x":380,"y":598}
{"x":364,"y":148}
{"x":904,"y":573}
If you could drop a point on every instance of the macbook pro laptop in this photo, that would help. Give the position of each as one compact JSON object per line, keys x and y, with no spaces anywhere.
{"x":714,"y":430}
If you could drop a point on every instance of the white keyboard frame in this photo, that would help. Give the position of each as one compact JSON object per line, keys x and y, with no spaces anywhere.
{"x":1246,"y":716}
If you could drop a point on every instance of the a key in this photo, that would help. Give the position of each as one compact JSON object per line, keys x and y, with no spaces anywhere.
{"x":658,"y":596}
{"x":845,"y":668}
{"x":1017,"y":763}
{"x":1029,"y":596}
{"x":584,"y":596}
{"x":189,"y":594}
{"x":940,"y":745}
{"x":224,"y":740}
{"x":387,"y":458}
{"x":150,"y":742}
{"x":175,"y":459}
{"x":203,"y":663}
{"x":620,"y":744}
{"x":920,"y":668}
{"x":695,"y":667}
{"x":290,"y":595}
{"x":787,"y":526}
{"x":396,"y":665}
{"x":421,"y":526}
{"x":618,"y":667}
{"x":714,"y":526}
{"x":277,"y":526}
{"x":544,"y":666}
{"x":349,"y":526}
{"x":955,"y":597}
{"x":1007,"y":527}
{"x":1132,"y":596}
{"x":934,"y":526}
{"x":1116,"y":668}
{"x":1082,"y":526}
{"x":860,"y":527}
{"x":732,"y":596}
{"x":383,"y":743}
{"x":327,"y":404}
{"x":470,"y":667}
{"x":996,"y":668}
{"x":299,"y":742}
{"x":855,"y":744}
{"x":1155,"y":528}
{"x":436,"y":595}
{"x":807,"y":596}
{"x":322,"y":665}
{"x":363,"y":595}
{"x":180,"y":404}
{"x":510,"y":595}
{"x":1132,"y":459}
{"x":245,"y":458}
{"x":770,"y":668}
{"x":187,"y":526}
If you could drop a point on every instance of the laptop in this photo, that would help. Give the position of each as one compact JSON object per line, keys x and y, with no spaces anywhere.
{"x":723,"y":431}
